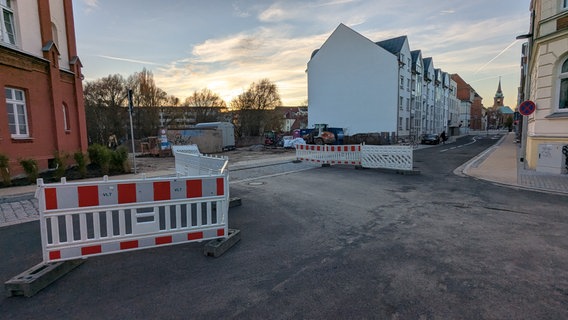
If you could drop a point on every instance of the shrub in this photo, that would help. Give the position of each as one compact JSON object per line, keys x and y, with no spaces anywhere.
{"x":31,"y":169}
{"x":100,"y":156}
{"x":119,"y":160}
{"x":5,"y":170}
{"x":59,"y":166}
{"x":81,"y":163}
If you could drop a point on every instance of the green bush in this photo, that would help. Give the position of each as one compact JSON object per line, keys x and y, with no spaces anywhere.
{"x":31,"y":169}
{"x":81,"y":163}
{"x":5,"y":170}
{"x":100,"y":156}
{"x":59,"y":166}
{"x":119,"y":160}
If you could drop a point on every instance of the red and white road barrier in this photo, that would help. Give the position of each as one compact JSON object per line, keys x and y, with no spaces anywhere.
{"x":387,"y":157}
{"x":96,"y":218}
{"x":325,"y":154}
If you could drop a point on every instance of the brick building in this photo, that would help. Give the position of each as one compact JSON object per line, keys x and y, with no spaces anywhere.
{"x":40,"y":74}
{"x":471,"y":107}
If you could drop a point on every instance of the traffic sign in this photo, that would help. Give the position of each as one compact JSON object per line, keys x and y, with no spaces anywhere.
{"x":527,"y":107}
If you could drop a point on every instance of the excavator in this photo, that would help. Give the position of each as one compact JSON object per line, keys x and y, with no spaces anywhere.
{"x":319,"y":135}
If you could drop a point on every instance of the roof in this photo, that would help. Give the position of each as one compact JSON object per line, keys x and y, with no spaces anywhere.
{"x":314,"y":53}
{"x":415,"y":55}
{"x":393,"y":45}
{"x":506,"y":110}
{"x":427,"y":62}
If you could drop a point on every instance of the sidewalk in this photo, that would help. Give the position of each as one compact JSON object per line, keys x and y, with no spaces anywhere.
{"x":500,"y":164}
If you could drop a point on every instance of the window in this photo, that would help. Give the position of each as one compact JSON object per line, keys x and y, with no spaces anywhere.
{"x":402,"y":82}
{"x":16,"y":109}
{"x":66,"y":118}
{"x":563,"y":85}
{"x":8,"y":34}
{"x":564,"y":4}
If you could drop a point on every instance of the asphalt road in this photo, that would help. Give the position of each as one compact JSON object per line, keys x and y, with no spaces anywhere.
{"x":331,"y":243}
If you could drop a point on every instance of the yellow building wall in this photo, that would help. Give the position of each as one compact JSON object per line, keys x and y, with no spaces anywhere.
{"x":532,"y":149}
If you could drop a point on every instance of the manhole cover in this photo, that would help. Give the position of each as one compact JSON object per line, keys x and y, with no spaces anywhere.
{"x":256,"y":183}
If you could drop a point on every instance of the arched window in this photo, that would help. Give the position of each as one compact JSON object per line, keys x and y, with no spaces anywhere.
{"x":66,"y":118}
{"x":563,"y":87}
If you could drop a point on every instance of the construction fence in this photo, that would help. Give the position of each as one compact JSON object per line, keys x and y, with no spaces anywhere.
{"x":367,"y":156}
{"x":84,"y":219}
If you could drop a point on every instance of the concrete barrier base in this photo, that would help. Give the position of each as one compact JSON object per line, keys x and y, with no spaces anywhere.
{"x":217,"y":247}
{"x":38,"y":277}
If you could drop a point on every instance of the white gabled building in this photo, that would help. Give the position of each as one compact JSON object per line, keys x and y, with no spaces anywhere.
{"x":376,"y":87}
{"x":401,"y":49}
{"x":429,"y":95}
{"x":417,"y":97}
{"x":350,"y":84}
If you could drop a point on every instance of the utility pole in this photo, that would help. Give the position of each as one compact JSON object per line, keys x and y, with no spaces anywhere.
{"x":130,"y":110}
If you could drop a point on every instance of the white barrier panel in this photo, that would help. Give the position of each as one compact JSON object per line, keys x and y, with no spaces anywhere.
{"x":195,"y":164}
{"x":311,"y":153}
{"x":347,"y":154}
{"x":190,"y":148}
{"x":387,"y":157}
{"x":95,"y":218}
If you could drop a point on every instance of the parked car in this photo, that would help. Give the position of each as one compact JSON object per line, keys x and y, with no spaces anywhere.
{"x":430,"y":139}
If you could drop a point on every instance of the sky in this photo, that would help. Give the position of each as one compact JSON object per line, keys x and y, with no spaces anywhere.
{"x":226,"y":45}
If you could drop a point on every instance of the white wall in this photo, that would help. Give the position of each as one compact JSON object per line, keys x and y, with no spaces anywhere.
{"x":27,"y":27}
{"x":58,"y":18}
{"x":352,"y":84}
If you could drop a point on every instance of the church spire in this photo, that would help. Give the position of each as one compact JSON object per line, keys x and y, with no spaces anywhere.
{"x":499,"y":93}
{"x":499,"y":97}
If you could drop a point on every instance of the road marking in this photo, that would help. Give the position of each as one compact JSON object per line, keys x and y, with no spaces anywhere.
{"x":474,"y":140}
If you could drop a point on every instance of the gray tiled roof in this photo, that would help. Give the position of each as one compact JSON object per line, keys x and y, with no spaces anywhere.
{"x":393,"y":45}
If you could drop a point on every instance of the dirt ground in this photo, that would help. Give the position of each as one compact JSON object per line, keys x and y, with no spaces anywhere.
{"x":149,"y":164}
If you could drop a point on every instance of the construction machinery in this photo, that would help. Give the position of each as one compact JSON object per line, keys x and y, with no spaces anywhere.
{"x":319,"y":135}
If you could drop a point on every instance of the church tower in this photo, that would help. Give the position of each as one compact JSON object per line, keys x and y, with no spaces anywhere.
{"x":499,"y":97}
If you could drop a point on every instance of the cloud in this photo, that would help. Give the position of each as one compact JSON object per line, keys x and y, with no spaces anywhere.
{"x":444,"y":12}
{"x":91,"y":5}
{"x":239,"y":12}
{"x":229,"y":65}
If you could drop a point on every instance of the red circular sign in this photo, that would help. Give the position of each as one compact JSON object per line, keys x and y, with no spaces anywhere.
{"x":527,"y":107}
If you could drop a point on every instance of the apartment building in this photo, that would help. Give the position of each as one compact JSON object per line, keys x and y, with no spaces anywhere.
{"x":544,"y":81}
{"x":40,"y":74}
{"x":369,"y":87}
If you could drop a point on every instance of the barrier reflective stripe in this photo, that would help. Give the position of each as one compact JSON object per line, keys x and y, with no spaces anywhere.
{"x":388,"y":157}
{"x":71,"y":196}
{"x":129,"y":245}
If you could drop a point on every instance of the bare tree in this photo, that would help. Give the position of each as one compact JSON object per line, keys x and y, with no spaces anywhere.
{"x":205,"y":105}
{"x":105,"y":101}
{"x":146,"y":94}
{"x":253,"y":108}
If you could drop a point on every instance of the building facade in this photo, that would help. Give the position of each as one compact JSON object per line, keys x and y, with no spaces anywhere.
{"x":350,"y":84}
{"x":40,"y":76}
{"x":470,"y":106}
{"x":377,"y":87}
{"x":545,"y":82}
